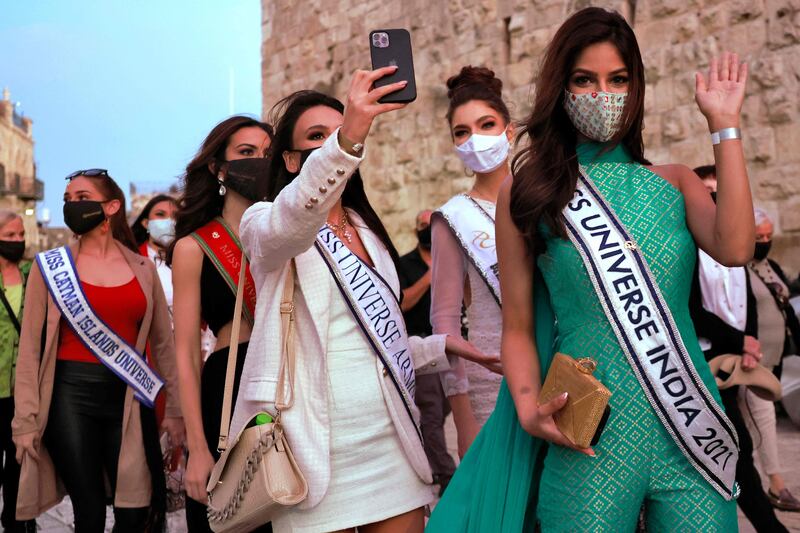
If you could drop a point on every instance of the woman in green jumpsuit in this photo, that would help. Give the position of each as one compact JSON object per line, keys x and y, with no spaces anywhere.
{"x":521,"y":470}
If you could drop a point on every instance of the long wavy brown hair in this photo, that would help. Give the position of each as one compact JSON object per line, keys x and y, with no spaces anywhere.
{"x":200,"y":201}
{"x":546,"y":170}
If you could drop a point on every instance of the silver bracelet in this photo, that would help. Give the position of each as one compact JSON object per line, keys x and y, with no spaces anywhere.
{"x":725,"y":134}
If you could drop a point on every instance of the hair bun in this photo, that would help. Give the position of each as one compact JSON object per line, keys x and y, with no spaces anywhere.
{"x":474,"y":76}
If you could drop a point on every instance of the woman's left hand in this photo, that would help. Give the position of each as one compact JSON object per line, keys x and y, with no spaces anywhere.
{"x":175,"y":428}
{"x":720,"y":95}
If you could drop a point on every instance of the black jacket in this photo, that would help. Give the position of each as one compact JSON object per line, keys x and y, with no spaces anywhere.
{"x":724,"y":338}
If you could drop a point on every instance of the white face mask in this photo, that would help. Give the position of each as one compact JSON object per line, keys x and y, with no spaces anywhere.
{"x":596,"y":115}
{"x":162,"y":230}
{"x":484,"y":153}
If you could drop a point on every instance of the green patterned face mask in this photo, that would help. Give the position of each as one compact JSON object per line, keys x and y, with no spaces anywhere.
{"x":596,"y":115}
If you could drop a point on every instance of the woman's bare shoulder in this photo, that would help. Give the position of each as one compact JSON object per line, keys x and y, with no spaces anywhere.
{"x":673,"y":173}
{"x":186,"y":250}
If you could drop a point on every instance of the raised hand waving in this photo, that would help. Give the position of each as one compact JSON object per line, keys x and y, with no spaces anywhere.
{"x":720,"y":94}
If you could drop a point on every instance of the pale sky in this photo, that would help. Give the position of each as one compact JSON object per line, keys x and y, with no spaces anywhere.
{"x":132,"y":87}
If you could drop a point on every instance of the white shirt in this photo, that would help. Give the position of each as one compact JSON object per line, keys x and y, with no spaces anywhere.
{"x":724,"y":292}
{"x":164,"y":274}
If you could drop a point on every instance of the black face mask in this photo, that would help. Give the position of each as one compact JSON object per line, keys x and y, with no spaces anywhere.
{"x":245,"y":175}
{"x":762,"y":250}
{"x":304,"y":155}
{"x":424,"y":237}
{"x":12,"y":250}
{"x":83,"y":216}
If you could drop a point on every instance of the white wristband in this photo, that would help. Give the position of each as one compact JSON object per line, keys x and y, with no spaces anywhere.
{"x":725,"y":134}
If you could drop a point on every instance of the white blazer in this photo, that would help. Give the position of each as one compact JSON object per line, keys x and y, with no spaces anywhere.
{"x":272,"y":234}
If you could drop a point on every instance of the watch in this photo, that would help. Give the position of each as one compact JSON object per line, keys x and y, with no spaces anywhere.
{"x":349,"y":146}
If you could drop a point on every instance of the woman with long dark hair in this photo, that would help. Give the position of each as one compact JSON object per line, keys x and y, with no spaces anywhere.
{"x":353,"y":427}
{"x":609,"y":240}
{"x":84,"y":418}
{"x":220,"y":182}
{"x":154,"y":230}
{"x":463,"y":252}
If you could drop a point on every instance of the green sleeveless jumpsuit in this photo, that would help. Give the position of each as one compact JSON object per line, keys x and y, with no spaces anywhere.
{"x":637,"y":461}
{"x":502,"y":484}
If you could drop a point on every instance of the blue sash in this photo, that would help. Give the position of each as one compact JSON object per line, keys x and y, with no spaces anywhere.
{"x":61,"y":278}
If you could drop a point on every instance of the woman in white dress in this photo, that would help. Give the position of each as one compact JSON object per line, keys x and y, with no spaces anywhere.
{"x":464,"y":261}
{"x":353,"y":427}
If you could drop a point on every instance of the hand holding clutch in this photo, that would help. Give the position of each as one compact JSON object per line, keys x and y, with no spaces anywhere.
{"x":582,"y":419}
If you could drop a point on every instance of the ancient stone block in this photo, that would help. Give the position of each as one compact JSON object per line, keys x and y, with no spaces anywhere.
{"x":714,"y":19}
{"x":759,"y":145}
{"x":787,"y":142}
{"x":790,"y":215}
{"x":744,"y":10}
{"x":776,"y":182}
{"x":783,"y":23}
{"x":781,"y":106}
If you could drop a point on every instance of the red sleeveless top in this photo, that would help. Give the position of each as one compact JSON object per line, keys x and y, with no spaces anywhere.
{"x":121,"y":307}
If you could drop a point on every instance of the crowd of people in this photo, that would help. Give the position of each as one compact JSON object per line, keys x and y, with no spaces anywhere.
{"x":658,"y":275}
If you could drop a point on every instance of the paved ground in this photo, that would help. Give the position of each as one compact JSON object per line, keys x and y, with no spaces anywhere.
{"x":789,"y":451}
{"x":58,"y":520}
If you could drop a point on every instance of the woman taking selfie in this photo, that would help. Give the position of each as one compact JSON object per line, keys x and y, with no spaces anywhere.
{"x":220,"y":182}
{"x":609,"y":240}
{"x":353,"y":427}
{"x":84,"y":394}
{"x":464,"y":258}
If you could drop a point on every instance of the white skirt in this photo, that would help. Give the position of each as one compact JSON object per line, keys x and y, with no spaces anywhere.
{"x":371,"y":478}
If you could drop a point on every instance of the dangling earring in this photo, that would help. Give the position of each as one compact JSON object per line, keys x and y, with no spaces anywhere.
{"x":222,"y":189}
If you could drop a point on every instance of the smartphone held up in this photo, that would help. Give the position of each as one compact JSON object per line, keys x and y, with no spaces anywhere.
{"x":393,"y":48}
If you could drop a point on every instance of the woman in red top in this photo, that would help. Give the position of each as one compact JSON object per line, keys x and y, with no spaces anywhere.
{"x":71,"y":409}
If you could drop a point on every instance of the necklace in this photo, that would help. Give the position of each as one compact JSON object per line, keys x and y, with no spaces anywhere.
{"x":341,"y":228}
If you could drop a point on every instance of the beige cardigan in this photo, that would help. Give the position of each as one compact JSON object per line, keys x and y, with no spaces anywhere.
{"x":39,"y":486}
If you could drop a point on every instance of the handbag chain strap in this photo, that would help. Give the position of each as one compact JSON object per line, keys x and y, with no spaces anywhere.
{"x":282,"y":399}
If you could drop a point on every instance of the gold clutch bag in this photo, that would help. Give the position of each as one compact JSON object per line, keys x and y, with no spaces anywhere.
{"x":582,"y":419}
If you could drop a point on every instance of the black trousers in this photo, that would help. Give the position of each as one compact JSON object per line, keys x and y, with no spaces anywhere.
{"x":83,"y":437}
{"x":434,"y":408}
{"x":212,"y":392}
{"x":753,"y":501}
{"x":9,"y":472}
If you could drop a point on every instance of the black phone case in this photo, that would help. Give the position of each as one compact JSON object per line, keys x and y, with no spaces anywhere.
{"x":601,"y":426}
{"x":397,"y":53}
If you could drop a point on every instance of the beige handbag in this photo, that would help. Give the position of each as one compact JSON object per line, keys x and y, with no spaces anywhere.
{"x":256,"y":476}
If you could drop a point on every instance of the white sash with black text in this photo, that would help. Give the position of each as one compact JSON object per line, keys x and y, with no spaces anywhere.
{"x":647,"y":333}
{"x":376,"y":310}
{"x":58,"y":271}
{"x":473,"y":227}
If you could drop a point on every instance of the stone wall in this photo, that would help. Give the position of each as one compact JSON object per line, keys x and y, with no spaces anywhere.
{"x":411,"y":164}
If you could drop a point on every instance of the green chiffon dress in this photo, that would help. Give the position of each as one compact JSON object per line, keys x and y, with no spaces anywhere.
{"x":509,"y":481}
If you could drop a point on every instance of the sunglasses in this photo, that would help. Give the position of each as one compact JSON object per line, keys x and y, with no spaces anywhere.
{"x":91,"y":173}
